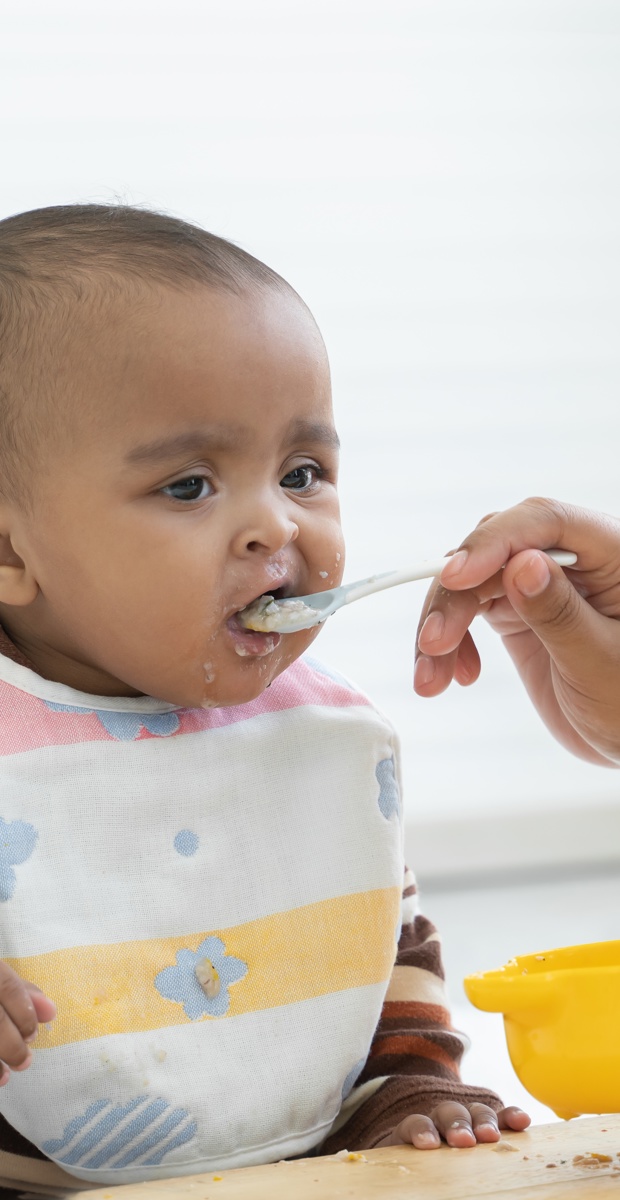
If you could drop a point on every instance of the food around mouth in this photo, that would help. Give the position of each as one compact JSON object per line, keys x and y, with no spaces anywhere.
{"x":250,"y":643}
{"x":268,"y":615}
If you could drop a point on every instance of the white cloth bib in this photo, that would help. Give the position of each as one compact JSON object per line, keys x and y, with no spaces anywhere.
{"x":138,"y":841}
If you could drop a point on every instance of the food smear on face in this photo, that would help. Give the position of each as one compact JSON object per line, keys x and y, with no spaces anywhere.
{"x":254,"y":652}
{"x":250,"y":643}
{"x":267,"y":614}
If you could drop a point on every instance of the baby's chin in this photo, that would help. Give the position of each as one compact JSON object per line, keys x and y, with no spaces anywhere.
{"x":243,"y":691}
{"x":251,"y":676}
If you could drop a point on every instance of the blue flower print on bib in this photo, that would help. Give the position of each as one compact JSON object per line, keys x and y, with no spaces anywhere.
{"x":125,"y":726}
{"x":201,"y":979}
{"x":17,"y":841}
{"x":141,"y":1132}
{"x":389,"y":799}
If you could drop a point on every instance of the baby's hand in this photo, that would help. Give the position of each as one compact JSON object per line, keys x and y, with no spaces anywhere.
{"x":458,"y":1125}
{"x":22,"y":1006}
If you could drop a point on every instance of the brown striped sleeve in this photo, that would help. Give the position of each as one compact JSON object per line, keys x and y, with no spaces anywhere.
{"x":414,"y":1058}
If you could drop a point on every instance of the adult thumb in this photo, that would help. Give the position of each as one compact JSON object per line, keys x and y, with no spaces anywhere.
{"x":548,"y":602}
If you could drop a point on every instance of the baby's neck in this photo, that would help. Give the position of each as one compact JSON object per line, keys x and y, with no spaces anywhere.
{"x":77,"y":676}
{"x":10,"y":650}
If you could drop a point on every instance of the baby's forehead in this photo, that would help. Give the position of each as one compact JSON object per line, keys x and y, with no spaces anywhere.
{"x":118,"y":329}
{"x":140,"y":309}
{"x":156,"y":353}
{"x":86,"y":306}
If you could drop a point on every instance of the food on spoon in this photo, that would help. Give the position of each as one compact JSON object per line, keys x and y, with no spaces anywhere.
{"x":268,"y":615}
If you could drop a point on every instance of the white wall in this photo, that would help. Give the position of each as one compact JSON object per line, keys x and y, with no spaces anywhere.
{"x":441,"y":181}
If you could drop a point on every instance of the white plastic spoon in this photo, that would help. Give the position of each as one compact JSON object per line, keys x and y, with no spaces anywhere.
{"x":267,"y":615}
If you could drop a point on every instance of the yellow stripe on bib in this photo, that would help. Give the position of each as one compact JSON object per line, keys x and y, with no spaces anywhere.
{"x":330,"y":946}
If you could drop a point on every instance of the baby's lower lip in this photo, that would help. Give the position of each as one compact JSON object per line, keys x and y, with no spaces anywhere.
{"x":247,"y":643}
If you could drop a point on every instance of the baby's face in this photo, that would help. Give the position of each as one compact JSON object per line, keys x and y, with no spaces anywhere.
{"x":201,"y":473}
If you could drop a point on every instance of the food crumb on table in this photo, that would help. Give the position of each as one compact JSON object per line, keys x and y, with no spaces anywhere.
{"x":592,"y":1159}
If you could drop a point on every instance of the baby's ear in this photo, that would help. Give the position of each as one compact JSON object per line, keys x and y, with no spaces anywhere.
{"x":17,"y":583}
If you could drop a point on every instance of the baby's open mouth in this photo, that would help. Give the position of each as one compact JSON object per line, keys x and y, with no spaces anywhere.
{"x":262,"y":615}
{"x":255,"y":641}
{"x":278,"y":613}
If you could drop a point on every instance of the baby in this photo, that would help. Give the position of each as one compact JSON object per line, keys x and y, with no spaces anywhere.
{"x":200,"y":859}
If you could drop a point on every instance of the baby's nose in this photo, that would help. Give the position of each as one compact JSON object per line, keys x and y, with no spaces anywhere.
{"x":269,"y":527}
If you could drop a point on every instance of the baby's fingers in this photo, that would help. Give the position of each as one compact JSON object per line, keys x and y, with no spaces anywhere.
{"x":456,"y":1125}
{"x":415,"y":1130}
{"x":513,"y":1118}
{"x":43,"y":1006}
{"x":14,"y":1049}
{"x":464,"y":1126}
{"x":19,"y":1019}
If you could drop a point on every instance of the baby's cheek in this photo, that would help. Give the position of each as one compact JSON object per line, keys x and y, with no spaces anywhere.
{"x":327,"y":560}
{"x":310,"y":635}
{"x":337,"y":570}
{"x":298,"y":643}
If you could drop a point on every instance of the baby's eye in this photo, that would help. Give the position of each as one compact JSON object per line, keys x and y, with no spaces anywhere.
{"x":195,"y":487}
{"x":301,"y":479}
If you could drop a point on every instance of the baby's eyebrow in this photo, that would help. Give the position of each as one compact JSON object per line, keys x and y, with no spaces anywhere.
{"x":313,"y":431}
{"x":228,"y":439}
{"x":189,"y":442}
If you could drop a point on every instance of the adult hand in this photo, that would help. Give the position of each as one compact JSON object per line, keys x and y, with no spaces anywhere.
{"x":560,"y":626}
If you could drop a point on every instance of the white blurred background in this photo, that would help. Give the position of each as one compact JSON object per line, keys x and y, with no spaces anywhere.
{"x":440,"y":179}
{"x":441,"y":182}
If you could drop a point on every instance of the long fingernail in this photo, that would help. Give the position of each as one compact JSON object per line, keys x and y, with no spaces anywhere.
{"x":533,"y":577}
{"x":433,"y":627}
{"x":455,"y":564}
{"x":424,"y":671}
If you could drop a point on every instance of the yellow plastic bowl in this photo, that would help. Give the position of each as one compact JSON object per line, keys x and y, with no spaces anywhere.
{"x":562,"y":1022}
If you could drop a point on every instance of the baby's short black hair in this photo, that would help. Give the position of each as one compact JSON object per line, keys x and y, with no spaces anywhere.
{"x":54,"y":259}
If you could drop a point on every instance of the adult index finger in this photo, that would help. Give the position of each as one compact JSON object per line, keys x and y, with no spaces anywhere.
{"x":538,"y":523}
